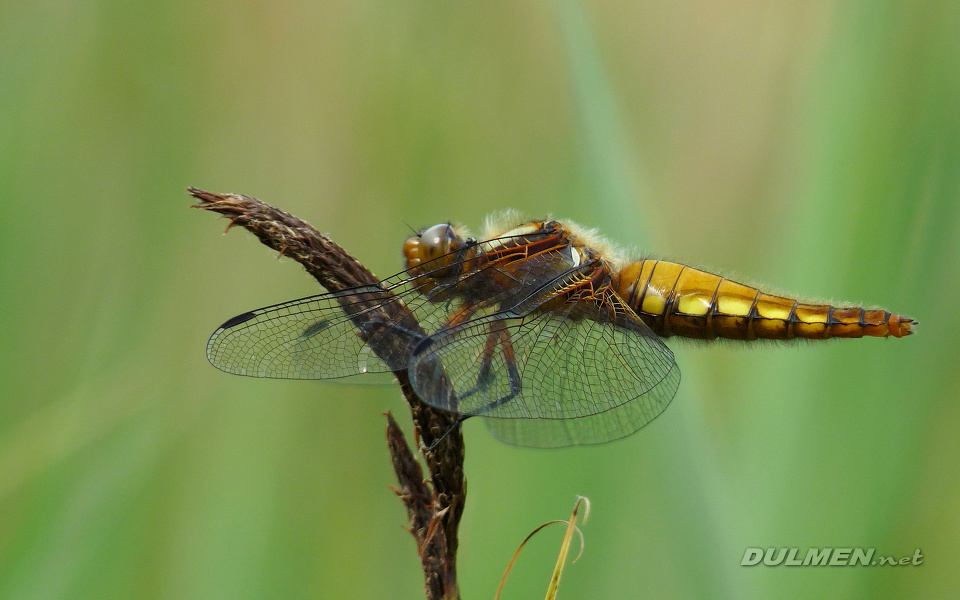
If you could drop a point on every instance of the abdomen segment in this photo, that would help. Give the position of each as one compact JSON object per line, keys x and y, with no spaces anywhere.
{"x":675,"y":299}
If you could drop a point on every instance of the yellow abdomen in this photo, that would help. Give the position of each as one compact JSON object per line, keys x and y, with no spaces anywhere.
{"x":675,"y":299}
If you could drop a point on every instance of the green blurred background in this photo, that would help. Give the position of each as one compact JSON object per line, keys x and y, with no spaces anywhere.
{"x":812,"y":146}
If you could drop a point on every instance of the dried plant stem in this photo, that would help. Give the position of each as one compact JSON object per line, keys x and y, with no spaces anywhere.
{"x":434,"y":507}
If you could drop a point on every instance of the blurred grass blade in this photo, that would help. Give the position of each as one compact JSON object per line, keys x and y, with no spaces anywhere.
{"x":564,"y":547}
{"x":612,"y":164}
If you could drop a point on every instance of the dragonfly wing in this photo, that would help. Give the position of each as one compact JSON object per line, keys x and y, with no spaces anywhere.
{"x":318,"y":337}
{"x":353,"y":331}
{"x":360,"y":330}
{"x":613,"y":424}
{"x":585,"y":375}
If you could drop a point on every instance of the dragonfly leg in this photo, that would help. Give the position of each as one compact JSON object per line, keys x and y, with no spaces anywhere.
{"x":513,"y":374}
{"x":451,"y":429}
{"x":374,"y":329}
{"x":483,"y":379}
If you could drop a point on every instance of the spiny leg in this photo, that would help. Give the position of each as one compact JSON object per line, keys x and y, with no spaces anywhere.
{"x":486,"y":360}
{"x":429,"y":371}
{"x":369,"y":331}
{"x":513,"y":374}
{"x":451,"y":429}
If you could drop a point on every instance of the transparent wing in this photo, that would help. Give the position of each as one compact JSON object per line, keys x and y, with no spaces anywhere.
{"x":309,"y":338}
{"x":318,"y":337}
{"x":616,"y":423}
{"x":585,"y":375}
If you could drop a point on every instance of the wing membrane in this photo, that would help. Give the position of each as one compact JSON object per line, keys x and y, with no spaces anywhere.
{"x":581,"y":376}
{"x":317,"y":338}
{"x":309,"y":338}
{"x":587,"y":372}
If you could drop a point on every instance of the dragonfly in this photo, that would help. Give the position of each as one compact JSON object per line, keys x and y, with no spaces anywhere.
{"x":542,"y":328}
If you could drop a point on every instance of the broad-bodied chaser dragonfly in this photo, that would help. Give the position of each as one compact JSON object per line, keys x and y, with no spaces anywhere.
{"x":542,"y":328}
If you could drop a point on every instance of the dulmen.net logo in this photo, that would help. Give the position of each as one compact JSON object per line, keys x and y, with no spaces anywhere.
{"x":826,"y":557}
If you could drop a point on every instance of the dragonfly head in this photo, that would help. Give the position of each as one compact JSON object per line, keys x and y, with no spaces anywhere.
{"x":439,"y":244}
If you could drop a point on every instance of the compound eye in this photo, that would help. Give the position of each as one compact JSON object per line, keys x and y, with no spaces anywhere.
{"x":438,"y":241}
